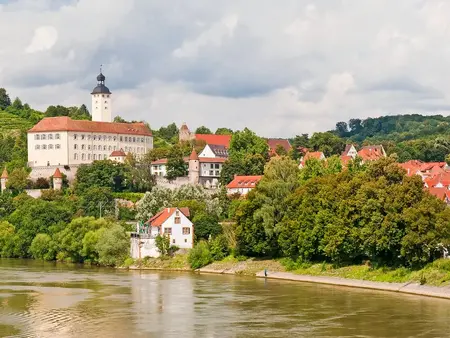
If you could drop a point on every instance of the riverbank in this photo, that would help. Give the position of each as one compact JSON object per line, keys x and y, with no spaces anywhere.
{"x":432,"y":281}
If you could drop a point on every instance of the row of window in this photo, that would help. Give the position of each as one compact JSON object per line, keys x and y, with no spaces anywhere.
{"x":106,"y":148}
{"x":46,"y":136}
{"x":103,"y":95}
{"x":44,"y":146}
{"x":133,"y":139}
{"x":94,"y":157}
{"x":186,"y":231}
{"x":211,"y":173}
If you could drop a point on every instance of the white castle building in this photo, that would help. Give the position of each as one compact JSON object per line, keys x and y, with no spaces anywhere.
{"x":61,"y":141}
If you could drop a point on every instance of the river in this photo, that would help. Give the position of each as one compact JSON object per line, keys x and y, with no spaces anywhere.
{"x":55,"y":300}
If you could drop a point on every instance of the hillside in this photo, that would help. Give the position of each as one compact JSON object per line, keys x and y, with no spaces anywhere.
{"x":395,"y":128}
{"x":10,"y":123}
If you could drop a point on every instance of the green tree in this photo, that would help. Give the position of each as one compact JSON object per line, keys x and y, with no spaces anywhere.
{"x":7,"y":232}
{"x":113,"y":246}
{"x":42,"y":247}
{"x":245,"y":143}
{"x":224,"y":131}
{"x":17,"y":181}
{"x":203,"y":130}
{"x":328,"y":143}
{"x":206,"y":225}
{"x":163,"y":244}
{"x":97,"y":201}
{"x":176,"y":166}
{"x":5,"y":101}
{"x":105,"y":173}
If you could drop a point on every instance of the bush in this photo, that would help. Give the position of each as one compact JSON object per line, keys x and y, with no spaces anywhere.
{"x":205,"y":226}
{"x":113,"y":246}
{"x":200,"y":255}
{"x":42,"y":248}
{"x":41,"y":183}
{"x":127,"y":214}
{"x":219,"y":248}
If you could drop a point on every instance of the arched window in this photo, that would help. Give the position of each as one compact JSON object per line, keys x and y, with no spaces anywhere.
{"x":75,"y":146}
{"x":83,"y":146}
{"x":50,"y":146}
{"x":109,"y":148}
{"x":43,"y":137}
{"x":109,"y":138}
{"x":83,"y":155}
{"x":75,"y":136}
{"x":57,"y":146}
{"x":44,"y":146}
{"x":37,"y":147}
{"x":57,"y":136}
{"x":115,"y":138}
{"x":105,"y":157}
{"x":36,"y":137}
{"x":95,"y":157}
{"x":89,"y":157}
{"x":75,"y":156}
{"x":104,"y":148}
{"x":50,"y":136}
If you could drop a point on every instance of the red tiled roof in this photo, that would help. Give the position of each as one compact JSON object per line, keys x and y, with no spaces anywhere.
{"x":64,"y":123}
{"x":212,"y":159}
{"x":193,"y":156}
{"x":4,"y":174}
{"x":440,"y":193}
{"x":57,"y":174}
{"x":244,"y":182}
{"x":429,"y":165}
{"x":274,"y":142}
{"x":164,"y":214}
{"x":223,"y":140}
{"x":371,"y":153}
{"x":313,"y":154}
{"x":443,"y":178}
{"x":345,"y":159}
{"x":118,"y":153}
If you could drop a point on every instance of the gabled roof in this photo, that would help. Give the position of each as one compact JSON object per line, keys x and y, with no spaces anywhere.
{"x":371,"y":153}
{"x":442,"y":178}
{"x":57,"y":174}
{"x":313,"y":154}
{"x":345,"y":159}
{"x":164,"y":215}
{"x":223,"y":140}
{"x":244,"y":182}
{"x":347,"y":149}
{"x":441,"y":193}
{"x":118,"y":153}
{"x":219,"y":150}
{"x":64,"y":123}
{"x":274,"y":142}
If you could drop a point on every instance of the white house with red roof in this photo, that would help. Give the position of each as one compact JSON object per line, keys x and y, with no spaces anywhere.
{"x":172,"y":222}
{"x":61,"y":141}
{"x":242,"y":184}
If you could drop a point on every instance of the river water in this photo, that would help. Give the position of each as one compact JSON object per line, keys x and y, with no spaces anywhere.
{"x":54,"y":300}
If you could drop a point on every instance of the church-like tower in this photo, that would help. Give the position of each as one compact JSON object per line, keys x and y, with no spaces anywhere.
{"x":101,"y":101}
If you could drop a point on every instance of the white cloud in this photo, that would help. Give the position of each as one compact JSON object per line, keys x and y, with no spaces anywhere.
{"x":44,"y":38}
{"x":280,"y":70}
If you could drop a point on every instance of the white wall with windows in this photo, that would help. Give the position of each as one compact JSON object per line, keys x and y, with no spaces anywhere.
{"x":180,"y":229}
{"x":210,"y":169}
{"x":159,"y":170}
{"x":72,"y":148}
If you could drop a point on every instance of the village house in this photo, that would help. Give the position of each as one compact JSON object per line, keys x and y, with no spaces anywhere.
{"x":63,"y":142}
{"x":242,"y":184}
{"x":275,"y":143}
{"x":173,"y":222}
{"x":314,"y":154}
{"x":371,"y":153}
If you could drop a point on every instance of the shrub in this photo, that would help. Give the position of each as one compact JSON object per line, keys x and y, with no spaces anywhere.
{"x":41,"y":183}
{"x":219,"y":248}
{"x":113,"y":246}
{"x":42,"y":248}
{"x":200,"y":255}
{"x":163,"y":244}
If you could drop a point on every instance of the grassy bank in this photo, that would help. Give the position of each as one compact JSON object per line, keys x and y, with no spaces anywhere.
{"x":177,"y":262}
{"x":435,"y":274}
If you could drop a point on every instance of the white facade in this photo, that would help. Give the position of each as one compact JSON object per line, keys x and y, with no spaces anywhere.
{"x":210,"y":169}
{"x":241,"y":191}
{"x":101,"y":107}
{"x":179,"y":228}
{"x":74,"y":148}
{"x":159,"y":169}
{"x":207,"y":152}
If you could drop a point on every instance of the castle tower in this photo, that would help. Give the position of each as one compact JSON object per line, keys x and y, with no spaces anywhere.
{"x":57,"y":180}
{"x":184,"y":134}
{"x":4,"y":180}
{"x":101,"y":101}
{"x":194,"y":168}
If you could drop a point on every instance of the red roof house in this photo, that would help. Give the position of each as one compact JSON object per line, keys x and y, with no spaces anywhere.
{"x":273,"y":143}
{"x":242,"y":184}
{"x":64,"y":123}
{"x":372,"y":153}
{"x":223,"y":140}
{"x":314,"y":154}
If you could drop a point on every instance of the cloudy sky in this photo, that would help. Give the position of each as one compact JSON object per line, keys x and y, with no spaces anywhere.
{"x":279,"y":67}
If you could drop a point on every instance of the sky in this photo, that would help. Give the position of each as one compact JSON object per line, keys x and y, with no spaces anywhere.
{"x":280,"y":68}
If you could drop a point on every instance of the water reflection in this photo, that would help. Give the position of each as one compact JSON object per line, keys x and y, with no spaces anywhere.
{"x":48,"y":300}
